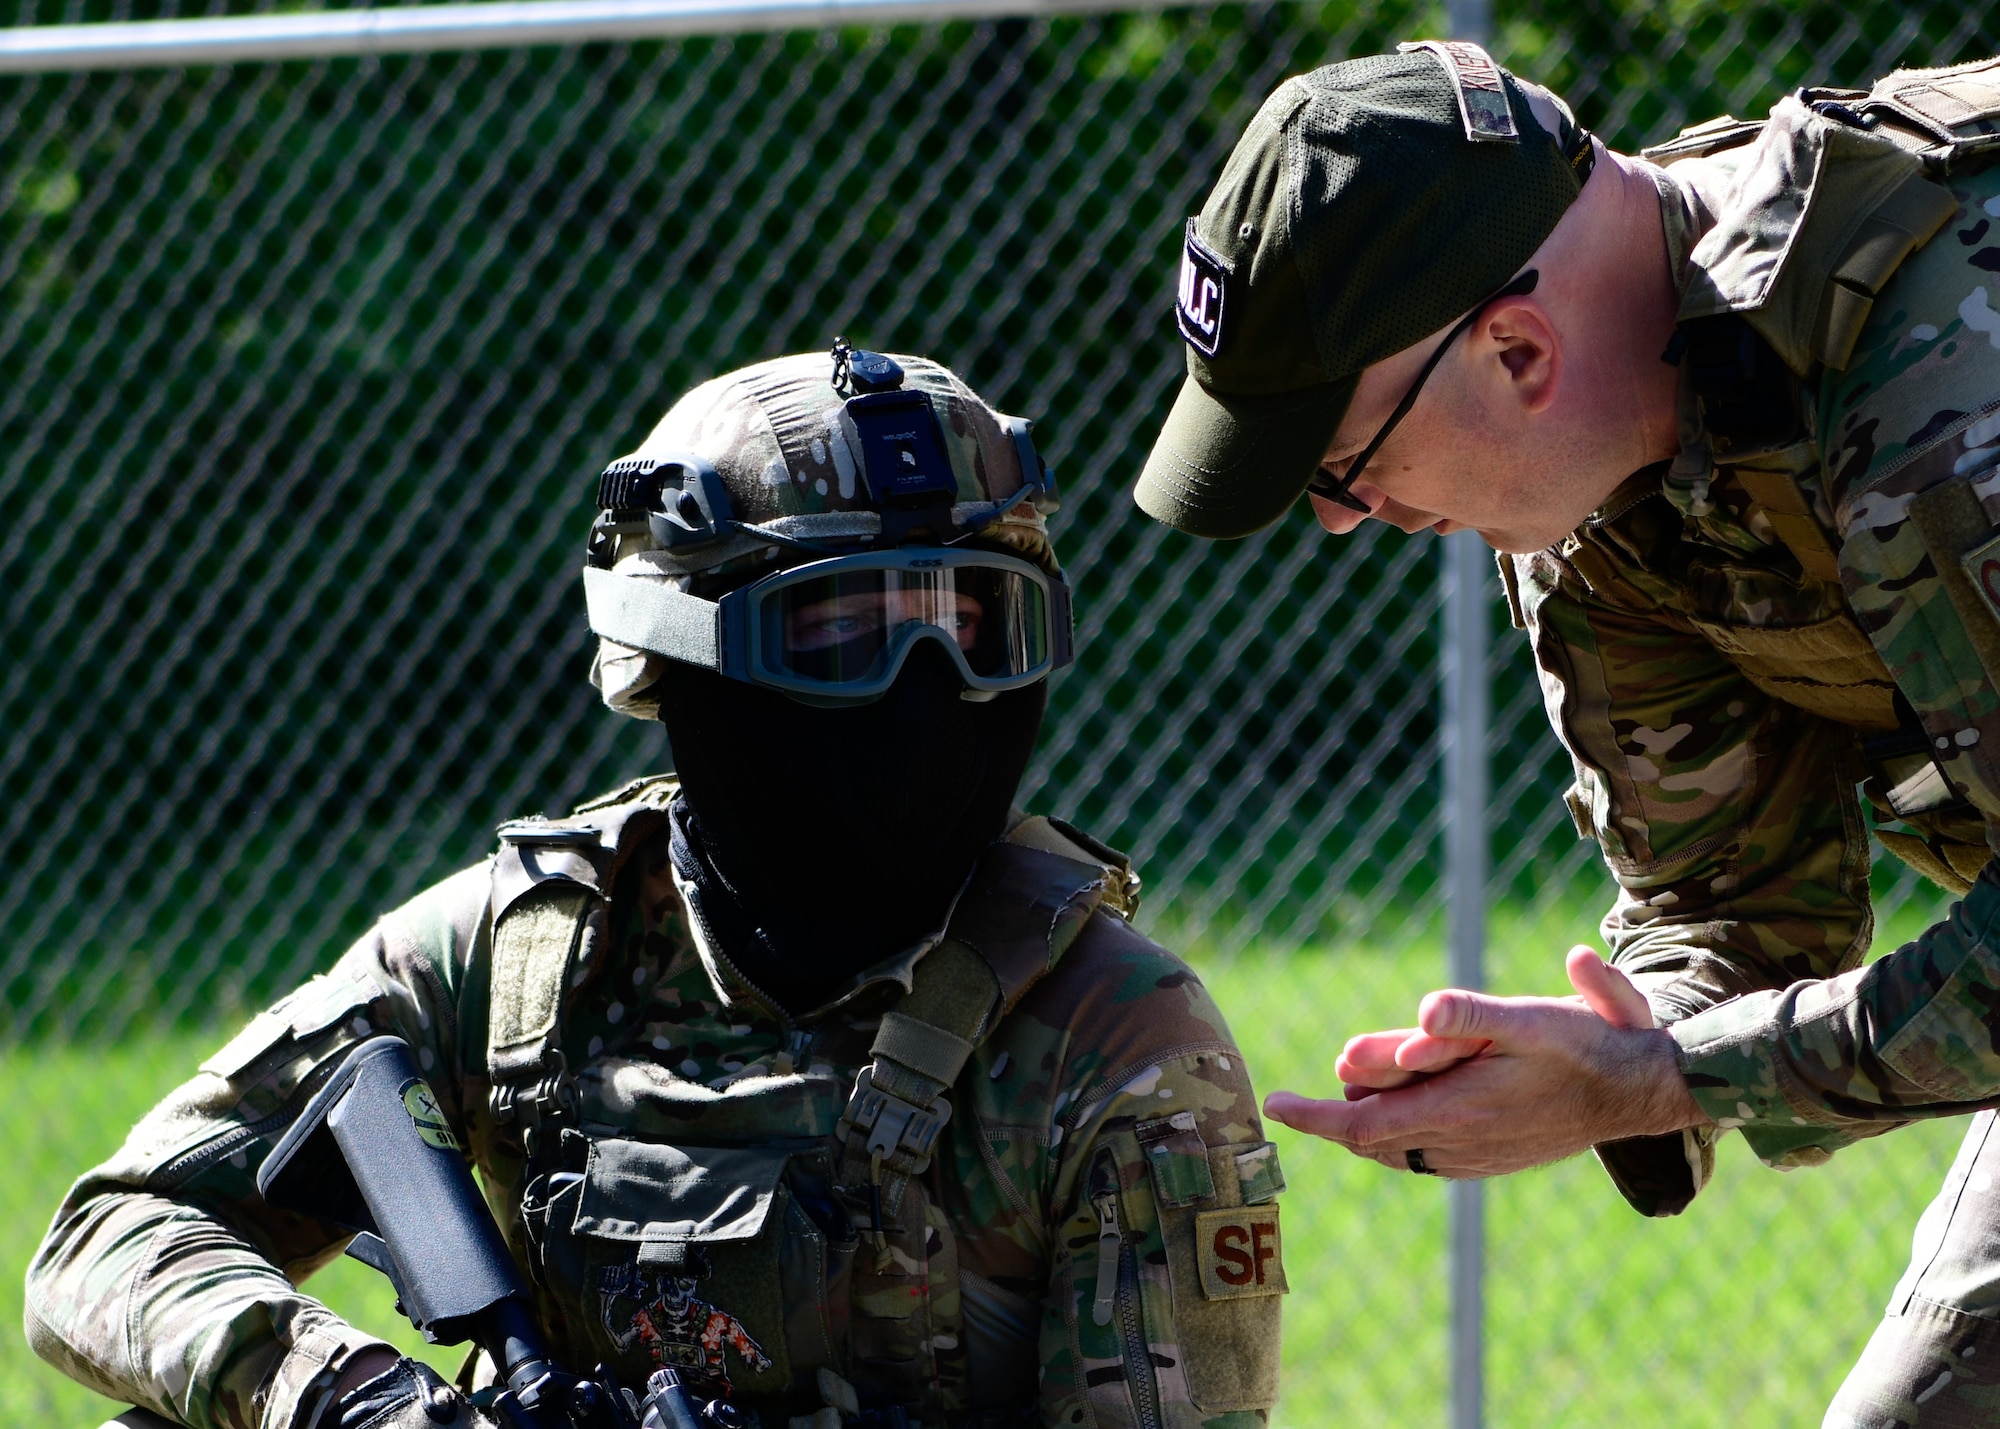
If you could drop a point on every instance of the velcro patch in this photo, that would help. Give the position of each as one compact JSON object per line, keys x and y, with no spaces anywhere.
{"x":1178,"y":1160}
{"x":1482,"y":98}
{"x":1240,"y":1252}
{"x":1204,"y":283}
{"x":1258,"y":1172}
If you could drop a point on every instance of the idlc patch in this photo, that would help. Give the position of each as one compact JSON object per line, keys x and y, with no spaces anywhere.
{"x":1204,"y":283}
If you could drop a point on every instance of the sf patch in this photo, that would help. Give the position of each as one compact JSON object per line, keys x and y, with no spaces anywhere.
{"x":1240,"y":1252}
{"x":1204,"y":284}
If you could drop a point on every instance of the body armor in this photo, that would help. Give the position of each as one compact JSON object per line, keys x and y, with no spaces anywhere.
{"x":775,"y":1241}
{"x":1824,"y":203}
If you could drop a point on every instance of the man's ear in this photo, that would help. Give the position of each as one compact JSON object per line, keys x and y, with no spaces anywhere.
{"x":1518,"y":335}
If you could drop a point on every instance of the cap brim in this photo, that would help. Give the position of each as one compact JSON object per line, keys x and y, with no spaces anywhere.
{"x":1225,"y":466}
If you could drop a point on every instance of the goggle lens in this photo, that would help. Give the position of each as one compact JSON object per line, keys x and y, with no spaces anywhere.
{"x":849,"y":627}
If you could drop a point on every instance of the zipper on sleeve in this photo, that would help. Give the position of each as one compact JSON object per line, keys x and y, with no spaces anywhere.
{"x":1110,"y":1252}
{"x":1118,"y":1293}
{"x":1138,"y":1354}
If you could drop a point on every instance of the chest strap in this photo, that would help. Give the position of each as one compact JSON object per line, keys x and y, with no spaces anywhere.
{"x":550,"y":919}
{"x":1023,"y":909}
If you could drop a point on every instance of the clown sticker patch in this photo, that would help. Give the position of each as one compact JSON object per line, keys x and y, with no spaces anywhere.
{"x":1240,"y":1252}
{"x":675,"y":1326}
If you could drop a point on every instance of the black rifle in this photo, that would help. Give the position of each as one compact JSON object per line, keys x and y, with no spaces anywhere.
{"x":373,"y":1154}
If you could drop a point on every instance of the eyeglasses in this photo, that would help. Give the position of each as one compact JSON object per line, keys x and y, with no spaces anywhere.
{"x":1339,"y":489}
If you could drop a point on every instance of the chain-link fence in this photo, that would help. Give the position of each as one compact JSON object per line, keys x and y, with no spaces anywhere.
{"x":307,"y":370}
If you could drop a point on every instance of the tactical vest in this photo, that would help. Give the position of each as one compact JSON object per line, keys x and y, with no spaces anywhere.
{"x":1837,"y":189}
{"x":783,"y":1221}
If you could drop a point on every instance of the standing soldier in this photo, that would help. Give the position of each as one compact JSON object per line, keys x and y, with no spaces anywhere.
{"x":814,"y":1073}
{"x":1731,"y":412}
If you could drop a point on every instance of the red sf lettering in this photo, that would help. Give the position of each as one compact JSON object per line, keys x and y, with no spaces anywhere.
{"x":1258,"y":1247}
{"x":1237,"y":1268}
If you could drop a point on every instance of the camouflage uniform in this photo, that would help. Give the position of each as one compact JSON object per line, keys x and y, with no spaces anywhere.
{"x":1717,"y":660}
{"x":1110,"y":1115}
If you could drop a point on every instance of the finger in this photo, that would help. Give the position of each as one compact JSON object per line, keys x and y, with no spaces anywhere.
{"x":1421,"y":1052}
{"x":1378,"y":1082}
{"x":1424,"y":1113}
{"x":1458,"y":1014}
{"x":1374,"y":1049}
{"x":1370,"y":1079}
{"x":1607,"y":991}
{"x":1327,"y":1119}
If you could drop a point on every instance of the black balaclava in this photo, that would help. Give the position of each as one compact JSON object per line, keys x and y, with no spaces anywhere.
{"x":840,"y":836}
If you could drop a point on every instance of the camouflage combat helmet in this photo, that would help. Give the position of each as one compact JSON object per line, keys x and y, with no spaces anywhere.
{"x":793,"y":461}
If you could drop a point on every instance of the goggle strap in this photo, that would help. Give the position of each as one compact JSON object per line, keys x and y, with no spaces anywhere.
{"x":647,"y":615}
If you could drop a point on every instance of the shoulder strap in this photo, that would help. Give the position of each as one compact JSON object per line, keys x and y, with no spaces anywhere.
{"x":551,"y":899}
{"x":1019,"y":915}
{"x":1954,"y":112}
{"x":1815,"y":223}
{"x":1698,"y":141}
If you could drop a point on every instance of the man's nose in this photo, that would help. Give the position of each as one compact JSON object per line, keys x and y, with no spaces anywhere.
{"x":1338,"y":519}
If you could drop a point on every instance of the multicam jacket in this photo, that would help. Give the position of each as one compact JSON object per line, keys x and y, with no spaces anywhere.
{"x":1735,"y":642}
{"x":1098,"y":1134}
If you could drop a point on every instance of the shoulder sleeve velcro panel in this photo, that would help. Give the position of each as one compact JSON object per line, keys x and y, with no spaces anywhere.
{"x":532,"y":949}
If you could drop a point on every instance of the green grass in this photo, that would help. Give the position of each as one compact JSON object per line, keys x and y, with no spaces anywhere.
{"x":1746,"y":1311}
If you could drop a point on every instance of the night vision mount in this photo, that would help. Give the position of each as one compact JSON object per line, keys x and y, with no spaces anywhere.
{"x":905,"y":467}
{"x":678,"y":499}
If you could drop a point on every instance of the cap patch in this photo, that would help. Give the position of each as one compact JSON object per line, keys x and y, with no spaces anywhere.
{"x":1204,"y":280}
{"x":1482,"y":98}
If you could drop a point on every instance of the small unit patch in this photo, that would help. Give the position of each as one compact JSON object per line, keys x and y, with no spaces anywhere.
{"x":1240,"y":1252}
{"x":1482,"y":98}
{"x":422,"y":1105}
{"x":1178,"y":1160}
{"x":1204,"y":283}
{"x":1983,"y":565}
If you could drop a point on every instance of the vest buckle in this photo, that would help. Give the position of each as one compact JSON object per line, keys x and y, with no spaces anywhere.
{"x":548,"y":1100}
{"x":899,"y":1132}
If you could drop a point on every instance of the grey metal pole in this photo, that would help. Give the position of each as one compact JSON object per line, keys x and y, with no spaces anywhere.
{"x":494,"y":24}
{"x":1466,"y":717}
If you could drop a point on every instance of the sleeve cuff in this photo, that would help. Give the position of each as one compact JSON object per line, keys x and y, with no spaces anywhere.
{"x":319,"y":1345}
{"x":1661,"y":1175}
{"x":1730,"y":1055}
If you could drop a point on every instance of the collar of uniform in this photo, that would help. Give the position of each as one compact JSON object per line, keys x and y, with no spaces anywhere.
{"x":1639,"y":486}
{"x":1692,"y":191}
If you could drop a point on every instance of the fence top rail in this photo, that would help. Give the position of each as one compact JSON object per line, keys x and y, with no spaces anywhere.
{"x":494,"y":24}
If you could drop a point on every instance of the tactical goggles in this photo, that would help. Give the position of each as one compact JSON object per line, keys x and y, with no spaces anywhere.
{"x":839,"y":630}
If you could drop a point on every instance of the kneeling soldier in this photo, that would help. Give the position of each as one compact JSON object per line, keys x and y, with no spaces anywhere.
{"x":813,"y":1071}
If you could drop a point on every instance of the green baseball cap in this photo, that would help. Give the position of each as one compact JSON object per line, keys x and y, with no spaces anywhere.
{"x":1368,"y":204}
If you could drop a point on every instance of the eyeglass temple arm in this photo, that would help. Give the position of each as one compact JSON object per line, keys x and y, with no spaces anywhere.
{"x":1339,"y":489}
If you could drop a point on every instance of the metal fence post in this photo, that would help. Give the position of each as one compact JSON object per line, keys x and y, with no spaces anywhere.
{"x":1466,"y":716}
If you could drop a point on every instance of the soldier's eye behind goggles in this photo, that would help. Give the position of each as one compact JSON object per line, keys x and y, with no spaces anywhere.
{"x":838,"y":630}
